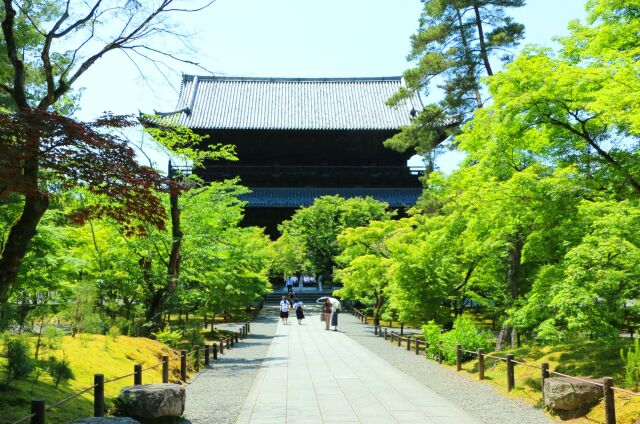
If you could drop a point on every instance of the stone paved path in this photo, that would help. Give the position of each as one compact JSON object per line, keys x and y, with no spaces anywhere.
{"x":315,"y":376}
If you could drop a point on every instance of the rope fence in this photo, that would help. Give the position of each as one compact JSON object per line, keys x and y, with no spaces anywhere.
{"x":39,"y":409}
{"x":395,"y":337}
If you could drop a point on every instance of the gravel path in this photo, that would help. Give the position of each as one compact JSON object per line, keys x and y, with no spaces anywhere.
{"x":479,"y":399}
{"x":217,"y":393}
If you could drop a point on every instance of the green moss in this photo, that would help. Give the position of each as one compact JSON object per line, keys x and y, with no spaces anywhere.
{"x":89,"y":355}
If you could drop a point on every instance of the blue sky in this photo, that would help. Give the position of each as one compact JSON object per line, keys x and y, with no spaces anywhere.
{"x":290,"y":38}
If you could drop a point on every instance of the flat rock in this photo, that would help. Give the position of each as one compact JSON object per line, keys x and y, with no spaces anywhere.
{"x":104,"y":420}
{"x":151,"y":401}
{"x":571,"y":398}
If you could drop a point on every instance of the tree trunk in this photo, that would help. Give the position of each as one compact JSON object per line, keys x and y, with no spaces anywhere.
{"x":471,"y":75}
{"x":514,"y":258}
{"x":17,"y":244}
{"x":483,"y":45}
{"x":159,"y":297}
{"x":503,"y":337}
{"x":23,"y":229}
{"x":379,"y":301}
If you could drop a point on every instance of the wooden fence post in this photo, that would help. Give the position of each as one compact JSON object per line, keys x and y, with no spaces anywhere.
{"x":481,"y":364}
{"x":375,"y":330}
{"x":545,"y":374}
{"x":237,"y":335}
{"x":137,"y":375}
{"x":197,"y":358}
{"x":458,"y":357}
{"x":440,"y":352}
{"x":385,"y":334}
{"x":206,"y":355}
{"x":510,"y":373}
{"x":609,"y":401}
{"x":417,"y":346}
{"x":37,"y":408}
{"x":249,"y":327}
{"x":183,"y":365}
{"x":408,"y":342}
{"x":165,"y":369}
{"x":215,"y":351}
{"x":399,"y":341}
{"x":221,"y":347}
{"x":229,"y":344}
{"x":98,"y":395}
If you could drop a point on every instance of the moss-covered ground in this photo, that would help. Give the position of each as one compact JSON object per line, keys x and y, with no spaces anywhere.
{"x":89,"y":354}
{"x":580,"y":358}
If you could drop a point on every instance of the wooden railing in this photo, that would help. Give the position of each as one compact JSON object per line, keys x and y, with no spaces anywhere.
{"x":607,"y":384}
{"x":39,"y":409}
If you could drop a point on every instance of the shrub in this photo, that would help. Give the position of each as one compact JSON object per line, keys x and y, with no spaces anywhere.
{"x":466,"y":334}
{"x":19,"y":364}
{"x":431,"y":333}
{"x":59,"y":369}
{"x":114,"y":332}
{"x":52,"y":337}
{"x":169,"y":337}
{"x":632,"y":365}
{"x":194,"y":337}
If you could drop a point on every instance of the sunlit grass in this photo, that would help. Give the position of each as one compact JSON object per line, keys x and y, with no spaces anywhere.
{"x":88,"y":354}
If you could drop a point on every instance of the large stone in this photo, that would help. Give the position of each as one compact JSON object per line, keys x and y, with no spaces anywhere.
{"x":151,"y":401}
{"x":104,"y":420}
{"x":571,"y":398}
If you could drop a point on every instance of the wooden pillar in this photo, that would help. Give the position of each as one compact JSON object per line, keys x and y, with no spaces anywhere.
{"x":165,"y":369}
{"x":206,"y":355}
{"x":510,"y":372}
{"x":37,"y":408}
{"x":183,"y":365}
{"x":481,"y":364}
{"x":545,"y":374}
{"x":215,"y":351}
{"x":458,"y":357}
{"x":98,"y":395}
{"x":609,"y":401}
{"x":137,"y":375}
{"x":197,"y":358}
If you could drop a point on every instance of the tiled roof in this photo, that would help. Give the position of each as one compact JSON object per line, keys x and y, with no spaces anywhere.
{"x":292,"y":103}
{"x":289,"y":197}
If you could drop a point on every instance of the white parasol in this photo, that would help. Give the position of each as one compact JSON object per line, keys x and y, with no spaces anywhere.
{"x":334,"y":302}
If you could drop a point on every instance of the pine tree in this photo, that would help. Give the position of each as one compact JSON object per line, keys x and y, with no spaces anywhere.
{"x":454,"y":46}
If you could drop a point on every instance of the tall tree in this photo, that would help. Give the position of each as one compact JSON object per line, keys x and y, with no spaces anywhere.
{"x":314,"y":230}
{"x":39,"y":146}
{"x":454,"y":46}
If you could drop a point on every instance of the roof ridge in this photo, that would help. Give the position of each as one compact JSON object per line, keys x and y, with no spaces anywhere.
{"x":188,"y":77}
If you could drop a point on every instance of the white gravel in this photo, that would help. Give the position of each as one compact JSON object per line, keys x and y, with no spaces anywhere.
{"x":217,"y":393}
{"x":479,"y":399}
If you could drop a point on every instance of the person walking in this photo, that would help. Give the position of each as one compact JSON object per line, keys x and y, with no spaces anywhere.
{"x":299,"y":312}
{"x":284,"y":309}
{"x":335,"y":307}
{"x":326,"y":313}
{"x":290,"y":285}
